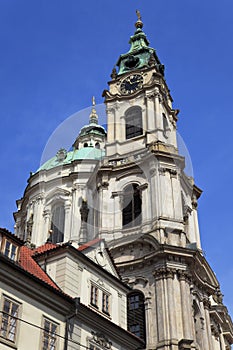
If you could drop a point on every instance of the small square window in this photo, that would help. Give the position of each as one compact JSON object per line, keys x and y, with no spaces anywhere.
{"x":10,"y":250}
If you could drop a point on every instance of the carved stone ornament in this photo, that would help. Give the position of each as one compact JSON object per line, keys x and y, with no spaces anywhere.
{"x":184,"y":275}
{"x":61,"y":154}
{"x":29,"y":231}
{"x":217,"y":296}
{"x":100,"y":339}
{"x":164,"y":272}
{"x":152,"y":60}
{"x":114,"y":73}
{"x":172,"y":172}
{"x":84,"y":210}
{"x":187,"y":212}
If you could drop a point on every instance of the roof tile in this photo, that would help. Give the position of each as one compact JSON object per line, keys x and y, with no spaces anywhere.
{"x":27,"y":262}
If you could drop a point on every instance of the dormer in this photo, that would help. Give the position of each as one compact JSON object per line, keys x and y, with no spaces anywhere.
{"x":10,"y":245}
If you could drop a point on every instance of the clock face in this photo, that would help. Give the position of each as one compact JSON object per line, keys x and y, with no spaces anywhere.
{"x":131,"y":84}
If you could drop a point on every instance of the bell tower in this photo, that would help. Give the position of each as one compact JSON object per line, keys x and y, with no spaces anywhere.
{"x":139,"y":104}
{"x":142,"y":151}
{"x":147,"y":211}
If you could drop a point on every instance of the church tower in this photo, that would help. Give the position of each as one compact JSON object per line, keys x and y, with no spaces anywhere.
{"x":129,"y":187}
{"x":148,"y":212}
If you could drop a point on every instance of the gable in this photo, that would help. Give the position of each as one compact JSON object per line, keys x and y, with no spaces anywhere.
{"x":98,"y":252}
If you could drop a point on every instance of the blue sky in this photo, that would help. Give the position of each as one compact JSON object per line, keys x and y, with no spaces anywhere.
{"x":56,"y":54}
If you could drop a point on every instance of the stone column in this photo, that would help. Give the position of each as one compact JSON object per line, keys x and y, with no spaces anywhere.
{"x":158,"y":117}
{"x":118,"y":202}
{"x":67,"y":225}
{"x":111,"y":124}
{"x":185,"y":304}
{"x":150,"y":323}
{"x":195,"y":221}
{"x":171,"y":304}
{"x":37,"y":232}
{"x":160,"y":305}
{"x":150,"y":113}
{"x":74,"y":219}
{"x":103,"y":208}
{"x":206,"y":305}
{"x":221,"y":339}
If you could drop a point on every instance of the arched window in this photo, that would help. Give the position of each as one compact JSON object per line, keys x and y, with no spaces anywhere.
{"x":57,"y":223}
{"x":133,"y":121}
{"x":97,"y":145}
{"x":136,"y":314}
{"x":132,"y":206}
{"x":85,"y":144}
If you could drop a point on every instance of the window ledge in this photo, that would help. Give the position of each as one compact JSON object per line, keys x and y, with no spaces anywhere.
{"x":102,"y":313}
{"x":8,"y":343}
{"x":132,"y":228}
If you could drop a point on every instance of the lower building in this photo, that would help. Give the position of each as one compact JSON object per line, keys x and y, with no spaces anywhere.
{"x":84,"y":308}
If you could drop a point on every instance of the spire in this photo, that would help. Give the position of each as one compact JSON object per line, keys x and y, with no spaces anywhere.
{"x":140,"y":55}
{"x":93,"y":119}
{"x":139,"y":23}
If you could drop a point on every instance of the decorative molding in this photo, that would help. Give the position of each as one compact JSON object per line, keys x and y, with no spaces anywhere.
{"x":100,"y":339}
{"x":185,"y":344}
{"x":187,"y":212}
{"x":184,"y":275}
{"x":164,"y":272}
{"x":163,"y":170}
{"x":103,"y":185}
{"x":153,"y":172}
{"x":143,"y":186}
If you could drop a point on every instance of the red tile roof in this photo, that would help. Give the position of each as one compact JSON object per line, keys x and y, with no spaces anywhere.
{"x":27,"y":262}
{"x":44,"y":248}
{"x":89,"y":244}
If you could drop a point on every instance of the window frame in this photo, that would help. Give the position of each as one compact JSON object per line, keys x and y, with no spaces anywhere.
{"x":11,"y":245}
{"x":57,"y":230}
{"x":100,"y":299}
{"x":136,"y":316}
{"x":8,"y":319}
{"x":106,"y":303}
{"x":47,"y":336}
{"x":133,"y":122}
{"x":134,"y":301}
{"x":94,"y":296}
{"x":132,"y":206}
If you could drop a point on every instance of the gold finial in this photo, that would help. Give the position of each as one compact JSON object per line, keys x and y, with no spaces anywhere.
{"x":139,"y":15}
{"x":93,"y":100}
{"x":139,"y":23}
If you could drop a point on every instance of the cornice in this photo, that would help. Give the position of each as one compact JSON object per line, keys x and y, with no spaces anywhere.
{"x":22,"y":281}
{"x":111,"y":330}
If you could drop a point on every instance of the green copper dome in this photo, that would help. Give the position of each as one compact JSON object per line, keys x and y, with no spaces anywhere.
{"x":91,"y":129}
{"x":62,"y":157}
